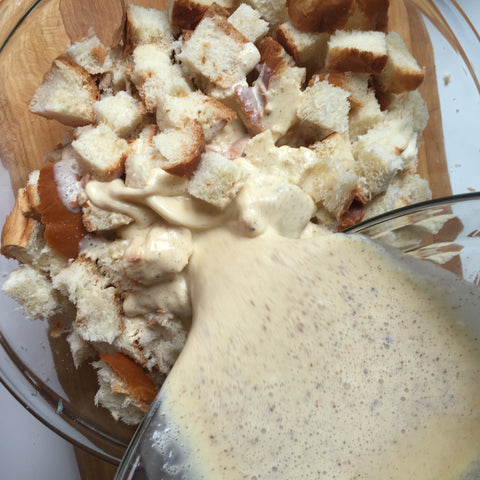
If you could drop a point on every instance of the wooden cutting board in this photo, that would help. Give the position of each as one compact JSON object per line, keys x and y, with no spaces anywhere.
{"x":24,"y":137}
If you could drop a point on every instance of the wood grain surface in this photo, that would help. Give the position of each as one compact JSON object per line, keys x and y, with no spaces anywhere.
{"x":26,"y":56}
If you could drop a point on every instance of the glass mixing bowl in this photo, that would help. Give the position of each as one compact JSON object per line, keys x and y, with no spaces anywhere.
{"x":445,"y":231}
{"x":38,"y":369}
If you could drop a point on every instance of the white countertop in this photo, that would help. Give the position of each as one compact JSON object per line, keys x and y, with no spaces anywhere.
{"x":29,"y":450}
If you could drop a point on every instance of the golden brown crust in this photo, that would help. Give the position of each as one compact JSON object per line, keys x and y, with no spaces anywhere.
{"x":139,"y":385}
{"x":319,"y":15}
{"x":18,"y":227}
{"x":63,"y":228}
{"x":190,"y":154}
{"x":87,"y":80}
{"x":354,"y":60}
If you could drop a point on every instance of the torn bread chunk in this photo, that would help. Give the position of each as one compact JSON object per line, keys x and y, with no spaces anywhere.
{"x":124,"y":388}
{"x":121,"y":112}
{"x":148,"y":25}
{"x":404,"y":189}
{"x":96,"y":219}
{"x":34,"y":292}
{"x":102,"y":153}
{"x":218,"y":56}
{"x":153,"y":343}
{"x":356,"y":51}
{"x":307,"y":48}
{"x":155,"y":76}
{"x":98,"y":316}
{"x":216,"y":180}
{"x":158,"y":252}
{"x":180,"y":149}
{"x":179,"y":111}
{"x":322,"y":110}
{"x":67,"y":94}
{"x":378,"y":155}
{"x":401,"y":72}
{"x":333,"y":181}
{"x":90,"y":53}
{"x":249,"y":23}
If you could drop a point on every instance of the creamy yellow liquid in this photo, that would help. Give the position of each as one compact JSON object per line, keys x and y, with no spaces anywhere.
{"x":322,"y":359}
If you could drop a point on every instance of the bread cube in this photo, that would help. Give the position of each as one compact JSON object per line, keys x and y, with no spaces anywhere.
{"x":155,"y":76}
{"x":356,"y":51}
{"x":121,"y":112}
{"x":323,"y":109}
{"x":216,"y":180}
{"x":180,"y":149}
{"x":218,"y":56}
{"x":101,"y":152}
{"x":67,"y":94}
{"x":249,"y":23}
{"x":401,"y":73}
{"x":148,"y":25}
{"x":307,"y":48}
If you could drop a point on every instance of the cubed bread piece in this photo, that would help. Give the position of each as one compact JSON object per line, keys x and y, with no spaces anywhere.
{"x":178,"y":111}
{"x":188,"y":13}
{"x":34,"y":292}
{"x":401,"y":73}
{"x":218,"y":56}
{"x":410,"y":109}
{"x":405,"y":189}
{"x":96,"y":219}
{"x":67,"y":94}
{"x":272,"y":11}
{"x":102,"y":153}
{"x":90,"y":53}
{"x":170,"y":296}
{"x":365,"y":116}
{"x":378,"y":155}
{"x":99,"y":316}
{"x":115,"y":395}
{"x":322,"y":110}
{"x":161,"y":250}
{"x":249,"y":23}
{"x":307,"y":48}
{"x":333,"y":181}
{"x":155,"y":76}
{"x":154,"y":343}
{"x":148,"y":25}
{"x":356,"y":51}
{"x":121,"y":112}
{"x":216,"y":180}
{"x":180,"y":149}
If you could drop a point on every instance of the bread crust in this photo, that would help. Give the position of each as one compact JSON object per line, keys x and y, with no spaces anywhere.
{"x":355,"y":60}
{"x":319,"y":15}
{"x":18,"y":227}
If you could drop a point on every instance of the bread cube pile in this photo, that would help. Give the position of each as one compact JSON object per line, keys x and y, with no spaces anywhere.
{"x":201,"y":115}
